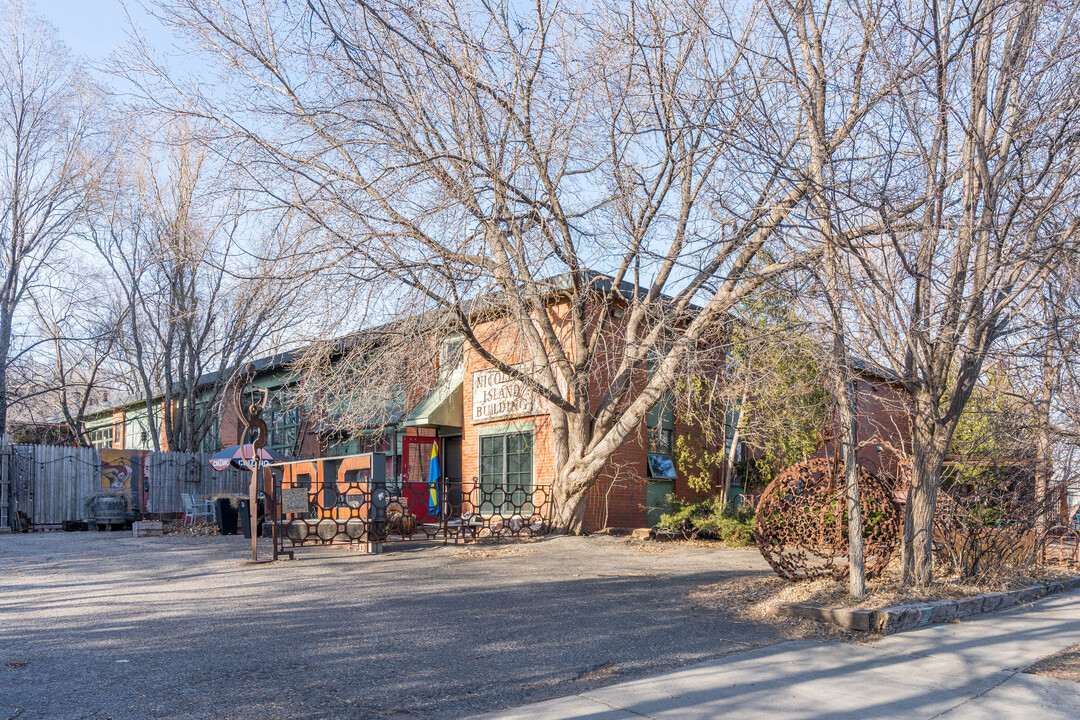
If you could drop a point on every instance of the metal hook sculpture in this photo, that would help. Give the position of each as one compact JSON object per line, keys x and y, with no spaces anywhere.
{"x":251,"y":417}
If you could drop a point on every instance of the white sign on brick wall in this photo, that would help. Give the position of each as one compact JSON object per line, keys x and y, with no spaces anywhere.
{"x":496,"y":396}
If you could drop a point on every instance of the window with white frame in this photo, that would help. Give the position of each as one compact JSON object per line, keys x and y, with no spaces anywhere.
{"x":506,"y":473}
{"x":102,"y":437}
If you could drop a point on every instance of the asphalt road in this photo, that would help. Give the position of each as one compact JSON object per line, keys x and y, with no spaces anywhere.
{"x":108,"y":626}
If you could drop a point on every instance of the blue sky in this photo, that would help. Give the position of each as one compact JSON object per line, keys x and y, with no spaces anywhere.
{"x":94,"y":28}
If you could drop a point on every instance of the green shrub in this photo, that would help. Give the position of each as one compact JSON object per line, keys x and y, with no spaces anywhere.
{"x":708,"y":519}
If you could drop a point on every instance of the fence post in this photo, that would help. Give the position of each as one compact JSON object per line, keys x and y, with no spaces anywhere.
{"x":7,"y":497}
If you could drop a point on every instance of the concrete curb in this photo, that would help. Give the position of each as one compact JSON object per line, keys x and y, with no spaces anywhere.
{"x":889,"y":620}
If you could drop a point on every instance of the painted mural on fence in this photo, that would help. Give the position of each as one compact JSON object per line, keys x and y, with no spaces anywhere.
{"x":126,"y":469}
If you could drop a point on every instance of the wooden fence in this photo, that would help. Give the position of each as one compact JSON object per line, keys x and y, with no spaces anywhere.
{"x":171,"y":473}
{"x":51,"y":484}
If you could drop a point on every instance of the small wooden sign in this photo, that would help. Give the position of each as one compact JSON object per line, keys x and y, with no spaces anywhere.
{"x":294,"y":500}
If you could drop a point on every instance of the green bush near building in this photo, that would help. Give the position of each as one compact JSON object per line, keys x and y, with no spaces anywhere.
{"x":709,"y":519}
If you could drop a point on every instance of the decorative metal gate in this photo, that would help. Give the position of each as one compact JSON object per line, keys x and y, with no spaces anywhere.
{"x":348,"y":500}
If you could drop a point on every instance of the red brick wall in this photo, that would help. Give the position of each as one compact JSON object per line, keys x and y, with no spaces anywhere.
{"x":118,"y":419}
{"x":882,"y":420}
{"x":504,"y":342}
{"x":230,"y":421}
{"x":618,"y":499}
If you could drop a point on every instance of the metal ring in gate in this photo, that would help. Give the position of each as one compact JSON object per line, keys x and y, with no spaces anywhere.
{"x":327,"y":529}
{"x":297,"y":531}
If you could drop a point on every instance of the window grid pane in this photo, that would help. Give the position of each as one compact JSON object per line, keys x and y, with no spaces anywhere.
{"x":506,"y":465}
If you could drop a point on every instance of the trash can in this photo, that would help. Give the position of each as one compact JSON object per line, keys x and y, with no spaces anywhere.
{"x":225,"y":514}
{"x":245,"y":517}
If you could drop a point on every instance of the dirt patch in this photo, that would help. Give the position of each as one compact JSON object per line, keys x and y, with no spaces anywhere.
{"x":752,"y":599}
{"x":755,"y":599}
{"x":646,"y":546}
{"x":492,"y":552}
{"x":658,"y":545}
{"x":601,"y":672}
{"x":1065,"y":665}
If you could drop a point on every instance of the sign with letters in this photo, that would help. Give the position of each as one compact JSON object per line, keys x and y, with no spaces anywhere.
{"x":496,"y":396}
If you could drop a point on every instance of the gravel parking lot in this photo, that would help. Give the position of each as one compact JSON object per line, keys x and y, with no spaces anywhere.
{"x":100,"y":625}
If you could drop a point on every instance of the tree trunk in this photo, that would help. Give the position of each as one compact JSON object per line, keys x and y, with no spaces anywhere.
{"x":1043,"y":449}
{"x":848,"y":445}
{"x":568,"y":490}
{"x":568,"y":516}
{"x":928,"y":454}
{"x":5,"y":351}
{"x":844,"y":387}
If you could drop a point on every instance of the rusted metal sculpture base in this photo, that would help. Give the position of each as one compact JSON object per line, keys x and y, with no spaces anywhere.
{"x":801,"y":522}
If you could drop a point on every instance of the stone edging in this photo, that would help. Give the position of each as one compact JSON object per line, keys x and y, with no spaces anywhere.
{"x":898,"y":618}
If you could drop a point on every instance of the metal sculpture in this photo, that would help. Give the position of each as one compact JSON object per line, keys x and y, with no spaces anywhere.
{"x":801,"y":522}
{"x":249,"y":401}
{"x":1061,"y":548}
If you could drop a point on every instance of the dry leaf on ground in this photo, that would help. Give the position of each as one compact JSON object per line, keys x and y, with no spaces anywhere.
{"x":492,"y":552}
{"x":755,"y":598}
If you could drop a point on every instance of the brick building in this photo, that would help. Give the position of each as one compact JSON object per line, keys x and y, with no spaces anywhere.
{"x":493,"y":432}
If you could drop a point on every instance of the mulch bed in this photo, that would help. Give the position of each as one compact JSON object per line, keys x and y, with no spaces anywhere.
{"x":752,"y":598}
{"x":756,"y":599}
{"x":203,"y":529}
{"x":1065,"y":665}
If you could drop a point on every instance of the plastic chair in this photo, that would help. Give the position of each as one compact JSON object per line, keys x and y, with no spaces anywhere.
{"x":192,"y":511}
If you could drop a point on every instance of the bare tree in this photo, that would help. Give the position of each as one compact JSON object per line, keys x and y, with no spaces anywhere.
{"x":46,"y":124}
{"x":178,"y":237}
{"x":1039,"y":368}
{"x":986,"y":141}
{"x":80,"y":333}
{"x":469,"y":150}
{"x":810,"y":34}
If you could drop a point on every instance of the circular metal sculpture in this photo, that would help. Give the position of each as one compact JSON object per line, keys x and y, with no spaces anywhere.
{"x":801,"y":522}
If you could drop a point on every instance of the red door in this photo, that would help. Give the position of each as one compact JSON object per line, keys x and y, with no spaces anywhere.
{"x":415,"y":464}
